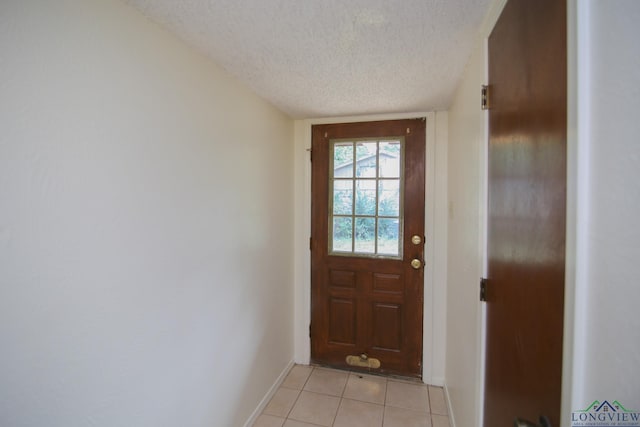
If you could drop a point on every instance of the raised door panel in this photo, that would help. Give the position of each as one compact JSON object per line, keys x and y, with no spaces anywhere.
{"x":342,"y":321}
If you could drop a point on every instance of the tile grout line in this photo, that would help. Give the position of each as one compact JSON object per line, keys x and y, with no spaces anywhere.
{"x":341,"y":399}
{"x":298,"y":397}
{"x":286,"y":417}
{"x":384,"y":401}
{"x":292,"y":406}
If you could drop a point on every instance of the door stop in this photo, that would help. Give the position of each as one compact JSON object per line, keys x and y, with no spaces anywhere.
{"x":363,"y":361}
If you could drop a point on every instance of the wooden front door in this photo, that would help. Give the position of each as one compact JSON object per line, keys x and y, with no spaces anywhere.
{"x":526,"y":212}
{"x":367,"y":228}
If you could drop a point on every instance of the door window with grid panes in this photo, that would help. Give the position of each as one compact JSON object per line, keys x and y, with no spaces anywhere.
{"x":366,"y":198}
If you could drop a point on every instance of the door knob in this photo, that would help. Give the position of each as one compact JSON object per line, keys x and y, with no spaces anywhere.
{"x":416,"y":263}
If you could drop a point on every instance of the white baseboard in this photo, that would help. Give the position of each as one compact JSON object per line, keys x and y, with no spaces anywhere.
{"x":267,"y":397}
{"x":452,"y":420}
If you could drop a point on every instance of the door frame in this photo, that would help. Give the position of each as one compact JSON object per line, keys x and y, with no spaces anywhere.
{"x":435,"y":277}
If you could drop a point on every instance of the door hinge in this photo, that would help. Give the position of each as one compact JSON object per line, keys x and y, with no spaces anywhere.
{"x":483,"y":289}
{"x":484,"y":103}
{"x":310,"y":154}
{"x":309,"y":330}
{"x":310,"y":243}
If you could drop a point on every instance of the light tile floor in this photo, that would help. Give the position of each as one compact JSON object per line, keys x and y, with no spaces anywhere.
{"x":313,"y":396}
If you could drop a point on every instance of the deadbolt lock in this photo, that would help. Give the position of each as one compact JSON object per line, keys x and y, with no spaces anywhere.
{"x":416,"y":240}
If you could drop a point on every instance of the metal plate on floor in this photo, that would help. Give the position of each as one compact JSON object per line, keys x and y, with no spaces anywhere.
{"x":363,"y":362}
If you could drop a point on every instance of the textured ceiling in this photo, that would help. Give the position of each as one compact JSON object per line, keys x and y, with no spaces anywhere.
{"x":322,"y":58}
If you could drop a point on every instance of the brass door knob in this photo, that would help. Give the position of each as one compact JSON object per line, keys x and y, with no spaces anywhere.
{"x":416,"y":263}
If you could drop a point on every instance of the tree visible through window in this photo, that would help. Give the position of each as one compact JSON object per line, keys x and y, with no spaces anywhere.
{"x":366,"y":186}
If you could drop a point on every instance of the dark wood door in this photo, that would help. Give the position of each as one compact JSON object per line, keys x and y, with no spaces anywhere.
{"x":526,"y":212}
{"x":367,"y":205}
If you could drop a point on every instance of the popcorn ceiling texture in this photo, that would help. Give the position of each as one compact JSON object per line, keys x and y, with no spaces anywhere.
{"x":322,"y":58}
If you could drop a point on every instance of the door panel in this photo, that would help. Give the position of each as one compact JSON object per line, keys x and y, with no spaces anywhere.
{"x":364,"y":303}
{"x":342,"y":321}
{"x":526,"y":212}
{"x":387,"y":326}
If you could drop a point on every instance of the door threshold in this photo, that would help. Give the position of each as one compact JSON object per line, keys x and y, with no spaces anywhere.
{"x":376,"y":373}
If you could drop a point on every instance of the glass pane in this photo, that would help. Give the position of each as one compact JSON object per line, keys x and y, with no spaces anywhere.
{"x":365,"y":235}
{"x":365,"y":197}
{"x":342,"y":197}
{"x":388,"y":232}
{"x":389,"y":197}
{"x":342,"y":234}
{"x":343,"y":160}
{"x":389,"y":159}
{"x":366,"y":159}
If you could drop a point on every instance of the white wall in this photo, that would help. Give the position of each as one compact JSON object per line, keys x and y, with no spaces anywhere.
{"x":606,"y":361}
{"x":434,"y":335}
{"x":146,"y":203}
{"x":467,"y":203}
{"x":302,"y":264}
{"x":466,"y":222}
{"x":436,"y":257}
